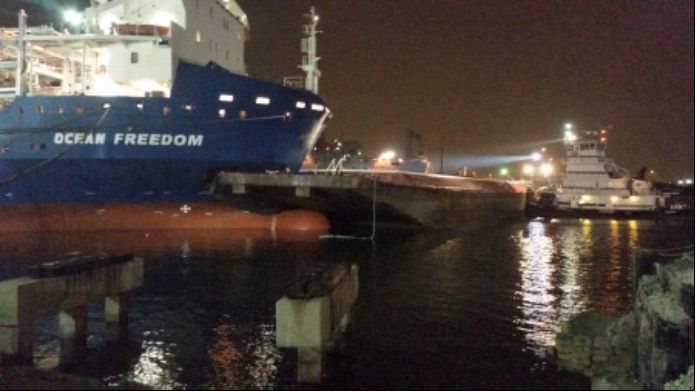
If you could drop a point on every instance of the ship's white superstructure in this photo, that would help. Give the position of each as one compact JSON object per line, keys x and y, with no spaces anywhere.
{"x":593,"y":182}
{"x":122,"y":47}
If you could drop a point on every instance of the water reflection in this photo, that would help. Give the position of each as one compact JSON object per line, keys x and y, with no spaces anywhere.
{"x":434,"y":311}
{"x":566,"y":266}
{"x":545,"y":302}
{"x":243,"y":358}
{"x":154,"y":366}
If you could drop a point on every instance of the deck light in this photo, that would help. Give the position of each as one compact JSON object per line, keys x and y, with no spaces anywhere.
{"x":73,"y":17}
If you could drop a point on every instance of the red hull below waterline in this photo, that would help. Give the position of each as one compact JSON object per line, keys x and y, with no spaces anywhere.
{"x":205,"y":216}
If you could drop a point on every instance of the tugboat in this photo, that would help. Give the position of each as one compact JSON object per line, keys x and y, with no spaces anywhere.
{"x":593,"y":184}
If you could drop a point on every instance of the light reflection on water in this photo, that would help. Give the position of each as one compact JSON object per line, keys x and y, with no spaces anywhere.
{"x":540,"y":314}
{"x":435,"y":311}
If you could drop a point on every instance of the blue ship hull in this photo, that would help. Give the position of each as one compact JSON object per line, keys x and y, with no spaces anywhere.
{"x":87,"y":149}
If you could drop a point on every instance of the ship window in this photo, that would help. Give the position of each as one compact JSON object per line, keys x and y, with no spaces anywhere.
{"x":40,"y":109}
{"x":42,"y":146}
{"x":165,"y":110}
{"x":221,"y":113}
{"x":198,"y":36}
{"x":59,"y":109}
{"x":5,"y":149}
{"x":243,"y":114}
{"x":300,"y":105}
{"x":20,"y":110}
{"x":188,"y":108}
{"x":34,"y":147}
{"x":317,"y":107}
{"x":134,"y":57}
{"x":106,"y":105}
{"x":210,"y":11}
{"x":263,"y":100}
{"x":79,"y":109}
{"x":226,"y":97}
{"x":139,"y":106}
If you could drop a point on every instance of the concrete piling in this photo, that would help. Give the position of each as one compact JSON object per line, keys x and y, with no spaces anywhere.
{"x":314,"y":313}
{"x":65,"y":287}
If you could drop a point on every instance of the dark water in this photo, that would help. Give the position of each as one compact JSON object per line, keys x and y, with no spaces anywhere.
{"x":435,"y":310}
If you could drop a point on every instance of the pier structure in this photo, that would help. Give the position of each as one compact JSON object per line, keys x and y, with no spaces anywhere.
{"x":65,"y":287}
{"x":314,"y":314}
{"x":390,"y":198}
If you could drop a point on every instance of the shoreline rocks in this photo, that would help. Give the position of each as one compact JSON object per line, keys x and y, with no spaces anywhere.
{"x":650,"y":348}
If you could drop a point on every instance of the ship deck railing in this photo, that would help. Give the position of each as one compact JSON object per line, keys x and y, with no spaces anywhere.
{"x":294,"y":81}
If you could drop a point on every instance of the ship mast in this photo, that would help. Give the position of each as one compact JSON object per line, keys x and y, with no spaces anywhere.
{"x":308,"y":46}
{"x":22,"y":53}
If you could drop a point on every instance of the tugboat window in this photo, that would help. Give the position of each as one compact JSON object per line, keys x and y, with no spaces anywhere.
{"x":134,"y":57}
{"x":165,"y":111}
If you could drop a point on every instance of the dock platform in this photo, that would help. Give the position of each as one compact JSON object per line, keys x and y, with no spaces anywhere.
{"x":387,"y":198}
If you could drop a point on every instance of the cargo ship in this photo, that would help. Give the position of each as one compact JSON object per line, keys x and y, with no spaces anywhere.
{"x":141,"y":103}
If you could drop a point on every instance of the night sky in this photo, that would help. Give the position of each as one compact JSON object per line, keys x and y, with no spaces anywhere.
{"x":493,"y":77}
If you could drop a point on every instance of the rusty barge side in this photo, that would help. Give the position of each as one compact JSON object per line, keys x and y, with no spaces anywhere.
{"x":387,"y":198}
